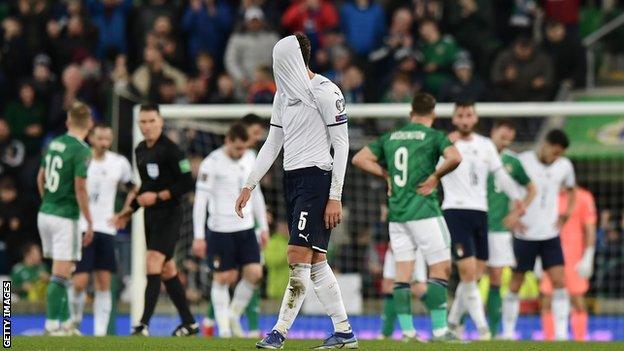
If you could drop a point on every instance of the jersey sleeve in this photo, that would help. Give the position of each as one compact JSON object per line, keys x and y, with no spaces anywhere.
{"x":181,"y":169}
{"x":494,"y":159}
{"x":205,"y":179}
{"x":377,"y":148}
{"x":443,"y":143}
{"x":332,"y":106}
{"x":81,"y":162}
{"x":518,"y":173}
{"x":276,"y":111}
{"x":570,"y":178}
{"x":589,"y":215}
{"x":126,"y":170}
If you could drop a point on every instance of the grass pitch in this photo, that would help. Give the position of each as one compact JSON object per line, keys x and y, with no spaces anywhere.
{"x":190,"y":344}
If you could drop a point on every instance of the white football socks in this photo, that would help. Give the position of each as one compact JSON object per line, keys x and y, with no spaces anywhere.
{"x":511,"y":309}
{"x":242,"y":294}
{"x":561,"y":313}
{"x":328,"y":292}
{"x":76,"y":302}
{"x":220,"y":295}
{"x":293,"y":296}
{"x":102,"y":306}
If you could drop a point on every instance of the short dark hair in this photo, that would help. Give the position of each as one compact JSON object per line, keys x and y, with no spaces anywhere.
{"x":423,"y":104}
{"x":558,"y":137}
{"x":251,"y":119}
{"x":237,"y":132}
{"x":150,"y":107}
{"x":504,"y":122}
{"x":464,"y":103}
{"x":99,"y":125}
{"x":305,"y":46}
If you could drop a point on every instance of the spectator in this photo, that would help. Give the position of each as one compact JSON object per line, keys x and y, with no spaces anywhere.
{"x":464,"y":86}
{"x":427,"y":9}
{"x":167,"y":91}
{"x":92,"y":87}
{"x":13,"y":48}
{"x":32,"y":15}
{"x":225,"y":91}
{"x":110,"y":17}
{"x":205,"y":71}
{"x":249,"y":48}
{"x":25,"y":117}
{"x":352,"y":85}
{"x":44,"y":79}
{"x":73,"y":44}
{"x":12,"y":215}
{"x":208,"y":24}
{"x":522,"y":73}
{"x":522,"y":16}
{"x":276,"y":261}
{"x":30,"y":277}
{"x":312,"y":17}
{"x":12,"y":151}
{"x":364,"y":25}
{"x":333,"y":39}
{"x":401,"y":90}
{"x":565,"y":12}
{"x":567,"y":55}
{"x":262,"y":88}
{"x":196,"y":92}
{"x":72,"y":80}
{"x":340,"y":60}
{"x":439,"y":54}
{"x":145,"y":18}
{"x":147,"y":77}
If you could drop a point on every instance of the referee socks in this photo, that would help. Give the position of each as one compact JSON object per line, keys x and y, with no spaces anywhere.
{"x":151,"y":297}
{"x":178,"y":296}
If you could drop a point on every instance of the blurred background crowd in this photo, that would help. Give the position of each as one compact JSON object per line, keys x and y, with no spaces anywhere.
{"x":55,"y":52}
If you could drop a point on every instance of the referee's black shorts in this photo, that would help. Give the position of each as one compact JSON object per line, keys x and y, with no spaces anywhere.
{"x":306,"y":191}
{"x":162,"y":229}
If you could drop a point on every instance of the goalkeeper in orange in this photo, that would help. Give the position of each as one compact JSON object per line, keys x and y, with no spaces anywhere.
{"x":578,"y":238}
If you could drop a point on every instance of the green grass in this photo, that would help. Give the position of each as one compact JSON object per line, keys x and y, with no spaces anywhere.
{"x":190,"y":344}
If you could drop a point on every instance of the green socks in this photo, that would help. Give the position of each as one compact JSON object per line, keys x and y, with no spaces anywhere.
{"x":403,"y":306}
{"x":494,"y":305}
{"x":56,"y":298}
{"x":389,"y":316}
{"x":210,"y":311}
{"x":435,"y":300}
{"x":253,"y":311}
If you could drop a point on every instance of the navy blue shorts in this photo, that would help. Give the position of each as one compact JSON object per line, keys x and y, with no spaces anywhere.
{"x":99,"y":255}
{"x":232,"y":250}
{"x":469,"y":229}
{"x":526,"y":252}
{"x":306,"y":191}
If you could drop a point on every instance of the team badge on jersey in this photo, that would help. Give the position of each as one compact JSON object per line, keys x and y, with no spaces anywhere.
{"x":152,"y":170}
{"x":340,"y":105}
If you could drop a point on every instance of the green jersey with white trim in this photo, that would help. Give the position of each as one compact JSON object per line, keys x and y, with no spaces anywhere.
{"x":67,"y":157}
{"x":410,"y":154}
{"x":498,"y":202}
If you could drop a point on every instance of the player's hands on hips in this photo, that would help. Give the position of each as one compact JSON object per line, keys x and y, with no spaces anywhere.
{"x":119,"y":220}
{"x":199,"y":248}
{"x":513,"y":223}
{"x":88,"y":235}
{"x":241,"y":202}
{"x":333,"y":214}
{"x":428,"y":186}
{"x":147,"y":199}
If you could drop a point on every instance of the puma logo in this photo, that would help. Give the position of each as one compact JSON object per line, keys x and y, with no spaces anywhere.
{"x":305,"y":237}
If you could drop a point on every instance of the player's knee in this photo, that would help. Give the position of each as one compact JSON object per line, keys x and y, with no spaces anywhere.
{"x":467,"y":270}
{"x":419,"y":289}
{"x":495,"y":274}
{"x":440,"y":270}
{"x":253,"y":275}
{"x":546,"y":303}
{"x":387,"y":285}
{"x":578,"y":304}
{"x":228,"y":277}
{"x":299,"y":254}
{"x":62,"y":269}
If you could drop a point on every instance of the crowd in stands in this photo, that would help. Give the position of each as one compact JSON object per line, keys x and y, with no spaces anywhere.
{"x":54,"y":52}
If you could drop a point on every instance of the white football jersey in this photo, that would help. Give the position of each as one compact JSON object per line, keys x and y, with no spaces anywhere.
{"x":542,"y":214}
{"x":306,"y":137}
{"x":103,"y":179}
{"x":466,"y":187}
{"x":222,"y":177}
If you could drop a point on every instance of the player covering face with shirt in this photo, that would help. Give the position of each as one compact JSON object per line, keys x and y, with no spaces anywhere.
{"x":308,"y":119}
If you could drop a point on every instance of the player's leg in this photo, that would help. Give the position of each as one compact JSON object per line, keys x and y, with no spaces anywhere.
{"x":252,"y":312}
{"x":248,"y":257}
{"x":433,"y":239}
{"x":552,"y":261}
{"x":579,"y":318}
{"x":177,"y":294}
{"x":388,"y":316}
{"x":104,"y":264}
{"x":220,"y":297}
{"x":76,"y":296}
{"x":548,"y":324}
{"x":525,"y":252}
{"x":102,"y":302}
{"x":500,"y":256}
{"x":154,"y":265}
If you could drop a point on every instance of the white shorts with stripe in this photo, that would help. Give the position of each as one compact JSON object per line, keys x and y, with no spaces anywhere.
{"x":420,"y":267}
{"x":429,"y":235}
{"x":500,"y":247}
{"x":60,"y":238}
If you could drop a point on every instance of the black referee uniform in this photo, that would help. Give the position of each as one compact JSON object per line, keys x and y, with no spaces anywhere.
{"x":163,"y":167}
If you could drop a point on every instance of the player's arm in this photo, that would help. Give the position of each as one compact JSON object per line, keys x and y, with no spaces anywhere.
{"x":585,"y":267}
{"x":569,"y":183}
{"x":260,"y":215}
{"x":203,"y":188}
{"x":41,"y":181}
{"x":367,"y":161}
{"x":451,"y":160}
{"x":266,"y":156}
{"x":81,"y":163}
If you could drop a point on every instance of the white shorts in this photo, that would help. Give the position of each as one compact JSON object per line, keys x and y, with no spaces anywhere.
{"x":500,"y":248}
{"x":60,"y":238}
{"x":420,"y":267}
{"x":429,"y":235}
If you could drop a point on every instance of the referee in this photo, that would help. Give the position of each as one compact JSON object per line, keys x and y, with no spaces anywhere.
{"x":165,"y":179}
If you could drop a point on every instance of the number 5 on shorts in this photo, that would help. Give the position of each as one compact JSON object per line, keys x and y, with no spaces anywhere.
{"x":302,"y":220}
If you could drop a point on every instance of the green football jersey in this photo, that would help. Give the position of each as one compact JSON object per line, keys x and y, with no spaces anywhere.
{"x":410,"y":155}
{"x":66,"y":158}
{"x":498,"y":202}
